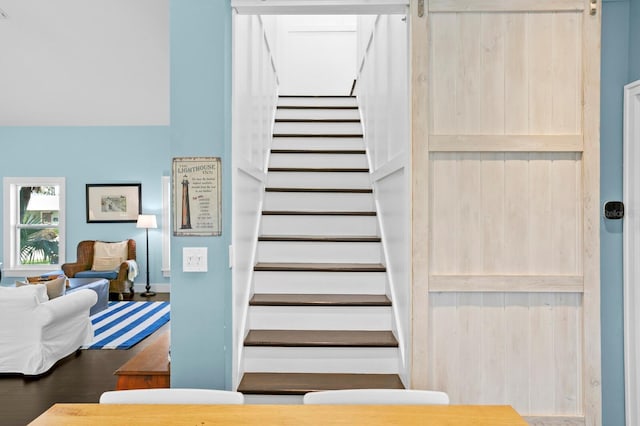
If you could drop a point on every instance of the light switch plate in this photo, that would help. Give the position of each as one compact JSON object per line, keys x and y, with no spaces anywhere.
{"x":194,"y":259}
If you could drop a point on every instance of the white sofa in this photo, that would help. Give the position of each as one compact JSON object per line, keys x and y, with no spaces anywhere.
{"x":36,"y":332}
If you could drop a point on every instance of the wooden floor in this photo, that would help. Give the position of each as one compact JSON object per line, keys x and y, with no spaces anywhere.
{"x":80,"y":378}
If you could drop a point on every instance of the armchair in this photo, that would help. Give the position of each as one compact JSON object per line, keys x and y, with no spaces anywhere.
{"x":120,"y":278}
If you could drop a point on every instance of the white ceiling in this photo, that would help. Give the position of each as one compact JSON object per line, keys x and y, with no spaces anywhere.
{"x":84,"y":62}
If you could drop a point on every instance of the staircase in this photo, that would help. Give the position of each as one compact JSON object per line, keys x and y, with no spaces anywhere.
{"x":319,"y":317}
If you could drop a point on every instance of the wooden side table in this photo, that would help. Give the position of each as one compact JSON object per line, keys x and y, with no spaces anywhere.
{"x":148,"y":369}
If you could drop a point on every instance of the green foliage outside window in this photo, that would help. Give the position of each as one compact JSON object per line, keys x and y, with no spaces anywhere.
{"x":38,"y":245}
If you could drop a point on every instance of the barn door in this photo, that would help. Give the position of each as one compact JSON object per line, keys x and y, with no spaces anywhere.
{"x":506,"y":204}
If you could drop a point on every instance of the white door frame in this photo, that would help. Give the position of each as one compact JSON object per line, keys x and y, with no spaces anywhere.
{"x":631,"y":251}
{"x":319,"y":7}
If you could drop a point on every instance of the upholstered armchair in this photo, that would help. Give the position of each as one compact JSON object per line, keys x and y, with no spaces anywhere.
{"x":116,"y":261}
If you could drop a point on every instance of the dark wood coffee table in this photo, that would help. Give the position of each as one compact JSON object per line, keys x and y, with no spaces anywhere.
{"x":148,"y":369}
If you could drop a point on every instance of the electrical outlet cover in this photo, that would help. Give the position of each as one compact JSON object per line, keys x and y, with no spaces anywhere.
{"x":194,"y":259}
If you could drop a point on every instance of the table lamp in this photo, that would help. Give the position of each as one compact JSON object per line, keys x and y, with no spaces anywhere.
{"x":147,"y":221}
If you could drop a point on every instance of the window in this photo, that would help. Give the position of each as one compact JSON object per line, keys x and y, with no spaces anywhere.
{"x":33,"y":225}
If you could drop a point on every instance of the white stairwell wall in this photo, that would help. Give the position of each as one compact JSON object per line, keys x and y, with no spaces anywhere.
{"x":383,"y":96}
{"x":255,"y":90}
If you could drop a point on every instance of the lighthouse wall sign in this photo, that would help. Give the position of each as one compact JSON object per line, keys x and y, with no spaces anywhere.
{"x":196,"y":196}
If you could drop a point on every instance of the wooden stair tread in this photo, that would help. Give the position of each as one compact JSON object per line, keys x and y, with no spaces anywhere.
{"x":322,"y":338}
{"x":301,"y":383}
{"x":319,"y":151}
{"x":316,"y":96}
{"x":288,"y":299}
{"x":315,"y":213}
{"x":320,"y":267}
{"x":317,"y":107}
{"x":320,"y":169}
{"x":317,"y":135}
{"x":317,"y":120}
{"x":338,"y":190}
{"x":322,"y":238}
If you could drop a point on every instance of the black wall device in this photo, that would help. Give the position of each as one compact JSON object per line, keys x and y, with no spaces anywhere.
{"x":614,"y":210}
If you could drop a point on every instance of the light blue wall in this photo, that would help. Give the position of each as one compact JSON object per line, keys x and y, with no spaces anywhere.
{"x":201,"y":126}
{"x":615,"y":66}
{"x":93,"y":155}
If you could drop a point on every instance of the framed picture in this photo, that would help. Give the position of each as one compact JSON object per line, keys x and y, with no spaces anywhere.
{"x":196,"y":196}
{"x":113,"y":202}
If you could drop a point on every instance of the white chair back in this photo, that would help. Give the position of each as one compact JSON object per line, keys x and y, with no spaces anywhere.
{"x":172,"y":396}
{"x":377,"y":397}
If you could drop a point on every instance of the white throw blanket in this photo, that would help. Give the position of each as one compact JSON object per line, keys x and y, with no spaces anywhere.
{"x":133,"y":269}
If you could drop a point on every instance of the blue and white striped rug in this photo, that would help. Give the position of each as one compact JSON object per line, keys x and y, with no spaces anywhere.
{"x":123,"y":324}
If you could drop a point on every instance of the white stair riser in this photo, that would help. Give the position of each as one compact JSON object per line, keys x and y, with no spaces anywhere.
{"x":320,"y":318}
{"x":359,"y":180}
{"x":273,"y":399}
{"x":325,"y":114}
{"x":321,"y":360}
{"x":318,"y":201}
{"x":318,"y":160}
{"x":319,"y":225}
{"x":326,"y":252}
{"x":317,"y":143}
{"x":311,"y":101}
{"x":317,"y":128}
{"x":299,"y":282}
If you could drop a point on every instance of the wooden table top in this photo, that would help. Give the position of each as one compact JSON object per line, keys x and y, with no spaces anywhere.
{"x":116,"y":414}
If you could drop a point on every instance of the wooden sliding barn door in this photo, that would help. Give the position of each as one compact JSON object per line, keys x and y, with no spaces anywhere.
{"x":506,"y":205}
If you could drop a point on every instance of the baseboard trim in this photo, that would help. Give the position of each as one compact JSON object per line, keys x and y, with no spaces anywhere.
{"x":158,"y":288}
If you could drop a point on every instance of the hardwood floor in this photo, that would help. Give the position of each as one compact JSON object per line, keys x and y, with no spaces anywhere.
{"x":80,"y":378}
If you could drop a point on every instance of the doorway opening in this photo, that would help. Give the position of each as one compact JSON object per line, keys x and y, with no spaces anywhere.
{"x":327,"y":51}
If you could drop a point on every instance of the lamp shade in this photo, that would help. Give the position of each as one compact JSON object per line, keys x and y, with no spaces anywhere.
{"x":146,"y":221}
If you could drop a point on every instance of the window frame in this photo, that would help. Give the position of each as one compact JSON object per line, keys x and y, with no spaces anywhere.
{"x":11,"y":267}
